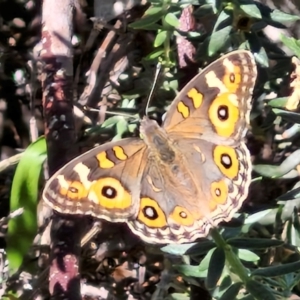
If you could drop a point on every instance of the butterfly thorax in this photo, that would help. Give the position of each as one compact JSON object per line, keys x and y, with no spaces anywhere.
{"x":165,"y":158}
{"x":157,"y":140}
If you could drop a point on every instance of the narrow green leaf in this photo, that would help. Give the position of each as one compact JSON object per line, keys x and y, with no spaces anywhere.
{"x":215,"y":269}
{"x":253,"y":243}
{"x":178,"y":296}
{"x":218,"y":40}
{"x":153,"y":10}
{"x":277,"y":270}
{"x":292,"y":44}
{"x":160,"y":38}
{"x":24,"y":194}
{"x":288,"y":115}
{"x":147,"y":20}
{"x":259,"y":291}
{"x":282,"y":17}
{"x":261,"y":57}
{"x":232,"y":291}
{"x":256,"y":217}
{"x":155,"y":54}
{"x":278,"y":171}
{"x":172,"y":20}
{"x":247,"y":255}
{"x":191,"y":271}
{"x":251,"y":10}
{"x":278,"y":102}
{"x":177,"y":249}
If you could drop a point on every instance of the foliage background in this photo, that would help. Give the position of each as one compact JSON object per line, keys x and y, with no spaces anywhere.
{"x":255,"y":258}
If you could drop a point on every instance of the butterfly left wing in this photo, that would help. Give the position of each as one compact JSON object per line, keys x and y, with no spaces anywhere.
{"x":215,"y":104}
{"x":103,"y":182}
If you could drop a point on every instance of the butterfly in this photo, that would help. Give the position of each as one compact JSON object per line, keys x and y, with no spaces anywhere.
{"x":180,"y":179}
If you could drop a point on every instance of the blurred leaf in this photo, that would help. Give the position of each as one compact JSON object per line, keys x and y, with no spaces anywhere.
{"x":262,"y":58}
{"x":153,"y":10}
{"x":160,"y":38}
{"x":112,"y":121}
{"x":218,"y":40}
{"x":206,"y":260}
{"x":200,"y":248}
{"x":290,"y":195}
{"x":24,"y":193}
{"x":177,"y":296}
{"x":291,"y":43}
{"x":251,"y":10}
{"x":259,"y":291}
{"x":172,"y":20}
{"x":278,"y":171}
{"x":155,"y":54}
{"x":282,"y":17}
{"x":247,"y":255}
{"x":277,"y":270}
{"x":278,"y":102}
{"x":232,"y":291}
{"x":253,"y":243}
{"x":177,"y":249}
{"x":215,"y":269}
{"x":289,"y":116}
{"x":219,"y":36}
{"x":191,"y":271}
{"x":256,"y":217}
{"x":147,"y":20}
{"x":122,"y":126}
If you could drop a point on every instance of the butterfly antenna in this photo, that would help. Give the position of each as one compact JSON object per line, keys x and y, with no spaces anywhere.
{"x":158,"y":69}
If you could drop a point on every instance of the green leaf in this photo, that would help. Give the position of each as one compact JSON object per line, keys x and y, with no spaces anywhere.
{"x":232,"y":291}
{"x":177,"y":249}
{"x":247,"y":255}
{"x":178,"y":296}
{"x":153,"y":10}
{"x":160,"y":38}
{"x":24,"y":194}
{"x":289,"y":116}
{"x":155,"y":54}
{"x":253,"y":243}
{"x":251,"y":10}
{"x":278,"y":171}
{"x":218,"y":40}
{"x":172,"y":20}
{"x":259,"y":291}
{"x":282,"y":17}
{"x":277,"y":270}
{"x":292,"y":44}
{"x":261,"y":57}
{"x":191,"y":271}
{"x":278,"y":102}
{"x":219,"y":37}
{"x":147,"y":20}
{"x":215,"y":269}
{"x":256,"y":217}
{"x":112,"y":121}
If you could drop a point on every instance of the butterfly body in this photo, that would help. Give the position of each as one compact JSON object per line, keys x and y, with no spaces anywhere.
{"x":180,"y":179}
